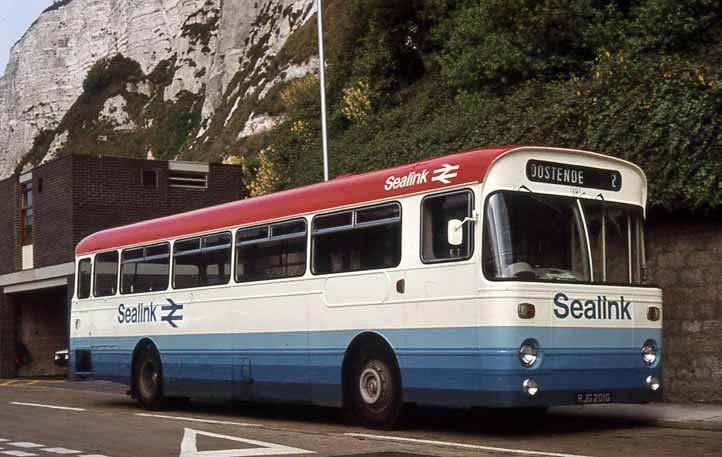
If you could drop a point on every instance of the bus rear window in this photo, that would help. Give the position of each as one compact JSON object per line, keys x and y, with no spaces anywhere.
{"x":201,"y":262}
{"x":364,"y":239}
{"x":145,"y":269}
{"x":84,"y":277}
{"x":106,"y":274}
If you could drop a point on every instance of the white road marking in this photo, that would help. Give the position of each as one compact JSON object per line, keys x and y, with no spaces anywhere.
{"x":38,"y":405}
{"x":204,"y":421}
{"x":26,"y":445}
{"x":18,"y":453}
{"x":461,"y":445}
{"x":94,"y":455}
{"x":189,"y":447}
{"x":60,"y":450}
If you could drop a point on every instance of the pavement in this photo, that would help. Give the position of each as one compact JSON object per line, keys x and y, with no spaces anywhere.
{"x":688,"y":416}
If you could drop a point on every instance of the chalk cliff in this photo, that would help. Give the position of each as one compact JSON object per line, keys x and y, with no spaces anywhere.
{"x":189,"y":67}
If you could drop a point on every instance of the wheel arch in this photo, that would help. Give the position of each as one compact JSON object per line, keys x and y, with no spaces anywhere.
{"x":353,"y":348}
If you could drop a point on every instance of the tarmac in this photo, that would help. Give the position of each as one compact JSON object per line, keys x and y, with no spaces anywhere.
{"x":689,"y":416}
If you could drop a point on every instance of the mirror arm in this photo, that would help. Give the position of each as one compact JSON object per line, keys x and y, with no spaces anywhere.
{"x":474,"y":218}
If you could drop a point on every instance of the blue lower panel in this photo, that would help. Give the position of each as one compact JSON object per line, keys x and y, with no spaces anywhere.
{"x":438,"y":366}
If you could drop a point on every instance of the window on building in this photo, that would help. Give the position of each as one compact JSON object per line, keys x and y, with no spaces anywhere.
{"x":436,"y":212}
{"x":188,"y":179}
{"x":200,"y":262}
{"x":27,"y":216}
{"x":106,"y":274}
{"x":149,"y":178}
{"x":84,"y":277}
{"x":145,"y":269}
{"x":362,"y":239}
{"x":271,"y":252}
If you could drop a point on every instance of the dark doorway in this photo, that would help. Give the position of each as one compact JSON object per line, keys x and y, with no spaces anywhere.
{"x":42,"y":329}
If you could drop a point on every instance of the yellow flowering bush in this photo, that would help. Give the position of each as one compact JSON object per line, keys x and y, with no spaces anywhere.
{"x":357,"y":102}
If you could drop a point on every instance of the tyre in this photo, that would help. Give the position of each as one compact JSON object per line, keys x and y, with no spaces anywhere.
{"x":376,"y":387}
{"x":149,"y":379}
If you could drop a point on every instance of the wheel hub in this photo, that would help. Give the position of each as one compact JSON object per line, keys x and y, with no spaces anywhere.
{"x":371,"y":385}
{"x":149,"y":378}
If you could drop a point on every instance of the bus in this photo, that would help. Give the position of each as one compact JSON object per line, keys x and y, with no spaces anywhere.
{"x":505,"y":277}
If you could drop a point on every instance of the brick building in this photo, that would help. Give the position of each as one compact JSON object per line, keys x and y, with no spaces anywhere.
{"x":48,"y":210}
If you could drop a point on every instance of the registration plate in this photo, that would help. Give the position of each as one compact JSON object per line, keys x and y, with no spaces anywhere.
{"x":590,"y":398}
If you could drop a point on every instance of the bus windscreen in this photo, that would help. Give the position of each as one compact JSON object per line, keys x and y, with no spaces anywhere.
{"x":531,"y":237}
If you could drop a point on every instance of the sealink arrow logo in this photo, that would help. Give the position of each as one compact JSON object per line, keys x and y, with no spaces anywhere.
{"x":445,"y":173}
{"x":171,"y":317}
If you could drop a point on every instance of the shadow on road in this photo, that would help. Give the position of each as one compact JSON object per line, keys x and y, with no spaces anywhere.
{"x":477,"y":422}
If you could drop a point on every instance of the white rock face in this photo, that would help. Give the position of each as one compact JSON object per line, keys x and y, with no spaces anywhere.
{"x":258,"y":123}
{"x":114,"y":112}
{"x":45,"y":73}
{"x":240,"y":31}
{"x":55,"y":146}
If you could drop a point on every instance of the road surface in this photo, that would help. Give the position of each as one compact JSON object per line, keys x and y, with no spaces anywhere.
{"x":95,"y":419}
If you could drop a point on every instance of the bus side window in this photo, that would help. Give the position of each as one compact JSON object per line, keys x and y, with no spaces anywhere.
{"x":436,"y":212}
{"x":201,"y":262}
{"x":106,"y":274}
{"x":271,"y":252}
{"x":363,"y":239}
{"x":145,"y":269}
{"x":84,"y":276}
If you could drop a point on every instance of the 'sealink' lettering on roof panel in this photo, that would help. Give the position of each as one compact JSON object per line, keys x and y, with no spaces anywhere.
{"x":445,"y":175}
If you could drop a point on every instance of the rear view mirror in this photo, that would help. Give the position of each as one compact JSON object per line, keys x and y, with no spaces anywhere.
{"x":455,"y":234}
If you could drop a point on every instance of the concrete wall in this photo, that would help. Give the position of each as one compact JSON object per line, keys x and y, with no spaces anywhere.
{"x":686,"y":255}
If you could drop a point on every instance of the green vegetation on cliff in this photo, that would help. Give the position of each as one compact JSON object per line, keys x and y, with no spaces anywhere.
{"x":640,"y":79}
{"x":140,"y":121}
{"x":409,"y":79}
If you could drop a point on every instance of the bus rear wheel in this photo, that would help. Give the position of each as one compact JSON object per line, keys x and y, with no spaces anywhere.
{"x":149,"y":379}
{"x":376,"y":387}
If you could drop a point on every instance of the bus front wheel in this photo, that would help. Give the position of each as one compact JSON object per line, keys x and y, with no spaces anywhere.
{"x":149,"y":379}
{"x":376,"y":387}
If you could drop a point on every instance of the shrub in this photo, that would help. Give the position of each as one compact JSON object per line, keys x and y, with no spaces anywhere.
{"x":107,"y":72}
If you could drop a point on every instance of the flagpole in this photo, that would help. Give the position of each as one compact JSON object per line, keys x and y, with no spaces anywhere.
{"x":322,"y":66}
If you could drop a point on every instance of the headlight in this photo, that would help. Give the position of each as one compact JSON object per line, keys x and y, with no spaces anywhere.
{"x":528,"y":353}
{"x":649,"y":352}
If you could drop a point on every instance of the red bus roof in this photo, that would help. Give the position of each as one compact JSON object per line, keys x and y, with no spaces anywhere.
{"x":436,"y":173}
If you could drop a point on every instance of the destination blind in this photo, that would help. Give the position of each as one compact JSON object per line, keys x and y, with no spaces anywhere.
{"x":573,"y":175}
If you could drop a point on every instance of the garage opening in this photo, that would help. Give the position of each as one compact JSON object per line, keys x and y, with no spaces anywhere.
{"x":41,"y":329}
